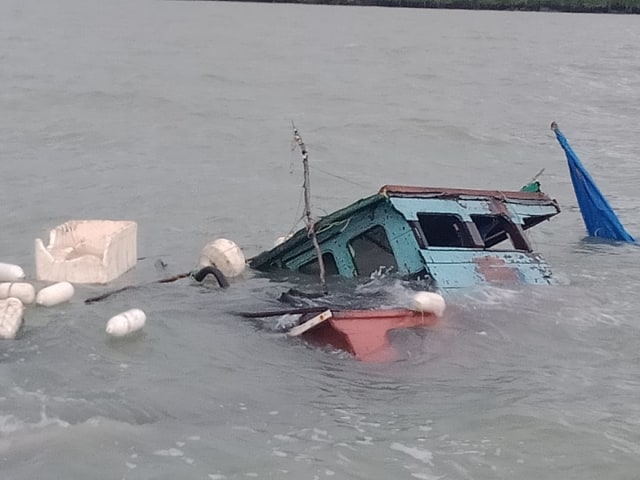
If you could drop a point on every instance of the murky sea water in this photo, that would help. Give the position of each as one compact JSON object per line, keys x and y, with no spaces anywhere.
{"x":178,"y":115}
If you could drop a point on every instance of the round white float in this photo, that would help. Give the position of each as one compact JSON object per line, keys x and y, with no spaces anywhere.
{"x":429,"y":302}
{"x":55,"y":294}
{"x":126,"y":322}
{"x":11,"y":315}
{"x":10,"y":272}
{"x":225,"y":255}
{"x":20,"y":290}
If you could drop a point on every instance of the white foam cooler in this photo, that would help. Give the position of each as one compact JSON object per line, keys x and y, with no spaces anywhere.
{"x":87,"y":251}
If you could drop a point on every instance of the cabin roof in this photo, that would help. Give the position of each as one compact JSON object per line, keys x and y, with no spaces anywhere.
{"x":439,"y":192}
{"x":387,"y":191}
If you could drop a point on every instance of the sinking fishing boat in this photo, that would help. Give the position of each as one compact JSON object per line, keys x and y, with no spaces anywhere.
{"x":451,"y":238}
{"x":454,"y":238}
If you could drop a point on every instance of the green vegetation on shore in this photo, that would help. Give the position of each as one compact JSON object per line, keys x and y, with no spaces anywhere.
{"x":583,"y":6}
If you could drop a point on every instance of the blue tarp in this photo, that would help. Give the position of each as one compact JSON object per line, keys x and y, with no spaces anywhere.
{"x":599,"y":218}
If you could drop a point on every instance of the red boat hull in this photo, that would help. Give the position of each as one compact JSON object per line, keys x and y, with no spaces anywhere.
{"x":363,"y":333}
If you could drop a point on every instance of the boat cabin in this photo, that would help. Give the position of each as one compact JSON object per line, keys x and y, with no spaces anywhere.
{"x":454,"y":237}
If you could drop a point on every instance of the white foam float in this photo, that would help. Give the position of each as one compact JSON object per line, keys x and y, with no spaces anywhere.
{"x":429,"y":302}
{"x":225,"y":255}
{"x":126,"y":322}
{"x":21,"y":290}
{"x":10,"y":272}
{"x":55,"y":294}
{"x":11,"y":316}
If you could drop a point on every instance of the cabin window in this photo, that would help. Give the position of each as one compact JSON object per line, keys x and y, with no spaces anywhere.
{"x":444,"y":230}
{"x":313,"y":267}
{"x":499,"y":232}
{"x":371,"y":250}
{"x":533,"y":221}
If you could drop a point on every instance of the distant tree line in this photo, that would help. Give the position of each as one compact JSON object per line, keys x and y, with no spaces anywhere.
{"x":582,"y":6}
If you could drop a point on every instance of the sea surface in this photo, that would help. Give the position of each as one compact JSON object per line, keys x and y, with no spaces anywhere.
{"x":178,"y":115}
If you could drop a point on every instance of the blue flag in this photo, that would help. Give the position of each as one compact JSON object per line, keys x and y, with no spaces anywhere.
{"x":599,"y":218}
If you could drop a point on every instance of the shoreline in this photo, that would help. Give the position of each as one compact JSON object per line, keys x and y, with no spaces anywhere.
{"x":620,"y":7}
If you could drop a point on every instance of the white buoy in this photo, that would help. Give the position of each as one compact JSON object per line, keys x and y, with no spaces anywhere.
{"x":20,"y":290}
{"x":126,"y":322}
{"x":429,"y":302}
{"x":11,"y":315}
{"x":55,"y":294}
{"x":10,"y":273}
{"x":225,"y":255}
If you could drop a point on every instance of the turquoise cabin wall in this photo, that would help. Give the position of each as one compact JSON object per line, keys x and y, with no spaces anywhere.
{"x":478,"y":262}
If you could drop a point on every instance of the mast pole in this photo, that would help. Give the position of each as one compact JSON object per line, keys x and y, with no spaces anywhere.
{"x":311,"y":230}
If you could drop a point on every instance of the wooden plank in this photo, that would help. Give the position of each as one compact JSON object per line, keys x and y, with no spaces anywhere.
{"x":277,"y":313}
{"x":309,"y":324}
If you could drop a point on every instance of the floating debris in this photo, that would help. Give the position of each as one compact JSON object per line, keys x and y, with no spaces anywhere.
{"x":10,"y":272}
{"x":429,"y":302}
{"x":55,"y":294}
{"x":225,"y":255}
{"x":87,"y":251}
{"x":21,"y":290}
{"x":599,"y":218}
{"x":126,"y":322}
{"x":11,"y":316}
